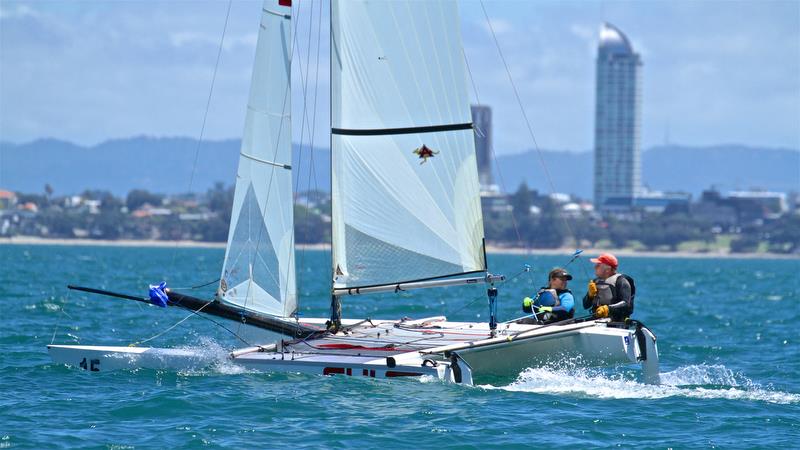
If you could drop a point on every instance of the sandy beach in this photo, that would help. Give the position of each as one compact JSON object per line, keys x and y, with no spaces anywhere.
{"x":35,"y":240}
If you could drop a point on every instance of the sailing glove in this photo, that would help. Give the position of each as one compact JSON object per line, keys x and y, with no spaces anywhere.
{"x":543,"y":309}
{"x":527,"y":304}
{"x":601,"y":311}
{"x":592,"y":291}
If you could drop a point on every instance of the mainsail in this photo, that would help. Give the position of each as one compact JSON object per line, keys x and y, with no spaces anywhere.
{"x":405,"y":194}
{"x":259,"y":265}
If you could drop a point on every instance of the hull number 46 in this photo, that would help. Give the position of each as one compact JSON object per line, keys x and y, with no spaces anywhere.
{"x":93,"y":365}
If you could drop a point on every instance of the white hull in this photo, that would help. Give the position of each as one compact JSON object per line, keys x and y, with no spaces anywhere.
{"x":389,"y":349}
{"x":98,"y":358}
{"x":590,"y":346}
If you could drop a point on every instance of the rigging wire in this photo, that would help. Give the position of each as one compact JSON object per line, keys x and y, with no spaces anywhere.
{"x":63,"y":312}
{"x":191,"y":180}
{"x":494,"y":154}
{"x":525,"y":115}
{"x":194,"y":165}
{"x":525,"y":269}
{"x":312,"y":131}
{"x":205,"y":118}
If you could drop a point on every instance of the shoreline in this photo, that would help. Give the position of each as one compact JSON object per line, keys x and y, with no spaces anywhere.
{"x":35,"y":240}
{"x":640,"y":253}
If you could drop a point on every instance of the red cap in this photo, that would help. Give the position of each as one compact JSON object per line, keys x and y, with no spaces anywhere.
{"x":607,"y":259}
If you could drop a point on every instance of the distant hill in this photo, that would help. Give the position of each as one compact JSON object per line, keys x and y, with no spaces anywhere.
{"x":156,"y":164}
{"x":664,"y":168}
{"x":165,"y":165}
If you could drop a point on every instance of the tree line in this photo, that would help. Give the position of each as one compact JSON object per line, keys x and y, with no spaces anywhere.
{"x":531,"y":220}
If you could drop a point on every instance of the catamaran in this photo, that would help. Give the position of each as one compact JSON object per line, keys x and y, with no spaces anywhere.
{"x":406,"y":215}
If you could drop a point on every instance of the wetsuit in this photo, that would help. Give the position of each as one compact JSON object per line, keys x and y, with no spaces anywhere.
{"x":615,"y":292}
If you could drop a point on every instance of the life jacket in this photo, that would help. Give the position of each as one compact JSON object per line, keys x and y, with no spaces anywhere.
{"x":569,"y":314}
{"x":556,"y":300}
{"x":537,"y":299}
{"x":555,"y":315}
{"x":608,"y":292}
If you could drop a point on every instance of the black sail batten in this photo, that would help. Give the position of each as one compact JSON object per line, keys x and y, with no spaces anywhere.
{"x":485,"y":262}
{"x":418,"y":280}
{"x":405,"y":130}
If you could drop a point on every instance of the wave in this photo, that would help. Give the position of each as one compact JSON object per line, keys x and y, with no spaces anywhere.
{"x":694,"y":381}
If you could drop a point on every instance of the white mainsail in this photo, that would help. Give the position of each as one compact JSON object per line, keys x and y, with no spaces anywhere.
{"x":405,"y":192}
{"x":259,"y":271}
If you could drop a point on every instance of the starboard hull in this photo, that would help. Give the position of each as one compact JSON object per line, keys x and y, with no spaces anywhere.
{"x":593,"y":346}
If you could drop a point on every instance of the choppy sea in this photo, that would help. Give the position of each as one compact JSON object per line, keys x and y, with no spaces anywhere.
{"x":728,"y":334}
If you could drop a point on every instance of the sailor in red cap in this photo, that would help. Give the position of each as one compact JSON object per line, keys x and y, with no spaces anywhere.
{"x":611,"y":293}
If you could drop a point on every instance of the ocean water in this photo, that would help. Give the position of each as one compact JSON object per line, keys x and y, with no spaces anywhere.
{"x":728,"y":334}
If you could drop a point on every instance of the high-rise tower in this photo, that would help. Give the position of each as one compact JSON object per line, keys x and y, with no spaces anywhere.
{"x":482,"y":120}
{"x":617,"y":153}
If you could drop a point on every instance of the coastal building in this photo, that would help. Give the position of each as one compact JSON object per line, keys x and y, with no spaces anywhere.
{"x":741,"y":208}
{"x":8,"y":199}
{"x":770,"y":205}
{"x":617,"y":153}
{"x":482,"y":121}
{"x":659,"y":202}
{"x":495,"y":204}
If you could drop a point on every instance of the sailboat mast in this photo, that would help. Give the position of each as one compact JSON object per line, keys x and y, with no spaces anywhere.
{"x":335,"y":321}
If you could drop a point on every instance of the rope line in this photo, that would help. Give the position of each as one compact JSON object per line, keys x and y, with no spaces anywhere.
{"x":193,"y":313}
{"x":194,"y":287}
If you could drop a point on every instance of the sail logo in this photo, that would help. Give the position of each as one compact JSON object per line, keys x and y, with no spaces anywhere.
{"x":424,"y":153}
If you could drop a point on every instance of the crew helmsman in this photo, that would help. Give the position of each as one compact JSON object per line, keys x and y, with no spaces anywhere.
{"x":611,"y":293}
{"x":554,"y":302}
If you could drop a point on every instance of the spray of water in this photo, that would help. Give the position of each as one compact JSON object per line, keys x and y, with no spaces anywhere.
{"x":694,"y":381}
{"x":213,"y":358}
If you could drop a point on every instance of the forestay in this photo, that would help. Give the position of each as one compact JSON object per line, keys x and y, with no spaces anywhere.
{"x":259,"y":264}
{"x":406,"y":202}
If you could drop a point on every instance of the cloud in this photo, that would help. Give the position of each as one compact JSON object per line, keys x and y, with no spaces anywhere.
{"x":145,"y":67}
{"x":584,"y":32}
{"x":18,"y":12}
{"x":697,"y":70}
{"x":500,"y":26}
{"x":180,"y":39}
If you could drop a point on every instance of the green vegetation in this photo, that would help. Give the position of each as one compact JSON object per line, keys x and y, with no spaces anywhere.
{"x":524,"y":219}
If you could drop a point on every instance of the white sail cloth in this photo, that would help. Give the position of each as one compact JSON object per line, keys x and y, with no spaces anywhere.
{"x":259,"y":271}
{"x":406,"y":202}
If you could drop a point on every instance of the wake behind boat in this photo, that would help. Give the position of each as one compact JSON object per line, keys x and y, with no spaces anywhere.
{"x":406,"y":215}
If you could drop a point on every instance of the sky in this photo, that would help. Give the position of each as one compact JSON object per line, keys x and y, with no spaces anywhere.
{"x":715,"y":72}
